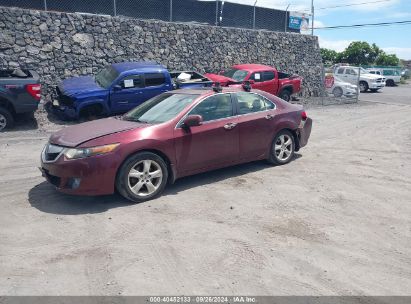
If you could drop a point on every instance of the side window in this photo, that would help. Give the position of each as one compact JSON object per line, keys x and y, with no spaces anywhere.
{"x":388,"y":72}
{"x":350,"y":72}
{"x":268,"y":75}
{"x":372,"y":72}
{"x":340,"y":71}
{"x":257,"y":77}
{"x":251,"y":103}
{"x":130,"y":82}
{"x":214,"y":107}
{"x":154,"y":79}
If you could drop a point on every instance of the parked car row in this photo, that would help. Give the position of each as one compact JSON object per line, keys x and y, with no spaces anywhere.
{"x":120,"y":87}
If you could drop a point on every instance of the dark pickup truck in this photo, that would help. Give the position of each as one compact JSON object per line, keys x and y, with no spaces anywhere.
{"x":118,"y":88}
{"x":19,"y":93}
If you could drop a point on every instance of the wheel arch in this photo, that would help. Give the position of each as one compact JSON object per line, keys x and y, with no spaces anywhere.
{"x":171,"y":170}
{"x":7,"y":104}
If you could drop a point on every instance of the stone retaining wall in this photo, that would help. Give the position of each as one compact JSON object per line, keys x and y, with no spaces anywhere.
{"x":59,"y":45}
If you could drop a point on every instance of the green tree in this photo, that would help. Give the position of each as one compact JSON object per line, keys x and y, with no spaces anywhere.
{"x":388,"y":60}
{"x":329,"y":56}
{"x":360,"y":53}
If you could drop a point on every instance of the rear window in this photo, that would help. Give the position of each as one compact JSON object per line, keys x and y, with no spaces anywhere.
{"x":154,"y":79}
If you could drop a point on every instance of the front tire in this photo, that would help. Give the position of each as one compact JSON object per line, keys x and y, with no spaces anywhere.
{"x":337,"y":92}
{"x":6,"y":119}
{"x":282,"y":148}
{"x":363,"y":86}
{"x":142,"y":177}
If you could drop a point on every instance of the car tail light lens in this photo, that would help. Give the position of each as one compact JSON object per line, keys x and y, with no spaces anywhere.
{"x":303,"y":115}
{"x":34,"y":90}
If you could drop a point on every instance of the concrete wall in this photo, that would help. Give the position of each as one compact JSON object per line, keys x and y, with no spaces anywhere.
{"x":60,"y":45}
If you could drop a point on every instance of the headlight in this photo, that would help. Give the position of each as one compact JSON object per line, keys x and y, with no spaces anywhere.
{"x":73,"y":153}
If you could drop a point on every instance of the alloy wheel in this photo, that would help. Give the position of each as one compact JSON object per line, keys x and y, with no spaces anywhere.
{"x":3,"y":121}
{"x":145,"y":177}
{"x":283,"y":147}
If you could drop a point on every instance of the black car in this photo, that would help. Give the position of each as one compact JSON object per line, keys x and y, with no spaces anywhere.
{"x":19,"y":93}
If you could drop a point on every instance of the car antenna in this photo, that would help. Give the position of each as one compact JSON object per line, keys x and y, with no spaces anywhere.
{"x":247,"y":86}
{"x":217,"y":87}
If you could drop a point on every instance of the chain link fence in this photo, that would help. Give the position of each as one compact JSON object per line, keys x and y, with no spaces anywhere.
{"x":246,"y":14}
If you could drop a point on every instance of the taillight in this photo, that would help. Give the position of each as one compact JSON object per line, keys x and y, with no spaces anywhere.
{"x":34,"y":90}
{"x":303,"y":115}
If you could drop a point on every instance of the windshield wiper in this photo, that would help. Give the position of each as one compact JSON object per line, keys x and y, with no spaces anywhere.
{"x":128,"y":118}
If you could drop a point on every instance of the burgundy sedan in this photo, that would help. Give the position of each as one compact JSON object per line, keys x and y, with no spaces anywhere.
{"x":172,"y":135}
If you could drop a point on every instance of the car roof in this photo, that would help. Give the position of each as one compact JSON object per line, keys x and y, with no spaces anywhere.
{"x":210,"y":91}
{"x":251,"y":67}
{"x":127,"y":66}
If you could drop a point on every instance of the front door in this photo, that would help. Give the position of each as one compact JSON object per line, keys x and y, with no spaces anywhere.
{"x":127,"y":94}
{"x":265,"y":81}
{"x":212,"y":144}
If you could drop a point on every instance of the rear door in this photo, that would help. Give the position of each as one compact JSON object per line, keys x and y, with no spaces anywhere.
{"x":212,"y":144}
{"x":127,"y":93}
{"x":155,"y":84}
{"x":265,"y":81}
{"x":257,"y":119}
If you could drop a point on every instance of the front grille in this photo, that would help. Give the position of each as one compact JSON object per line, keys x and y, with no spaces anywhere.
{"x":51,"y":152}
{"x":379,"y":79}
{"x":63,"y":99}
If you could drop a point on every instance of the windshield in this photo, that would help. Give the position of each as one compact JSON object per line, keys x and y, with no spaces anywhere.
{"x":160,"y":109}
{"x":364,"y":71}
{"x":106,"y":76}
{"x":237,"y":75}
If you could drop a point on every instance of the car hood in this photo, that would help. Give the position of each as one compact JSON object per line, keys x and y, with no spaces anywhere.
{"x":75,"y":135}
{"x":223,"y":80}
{"x":77,"y":85}
{"x":371,"y":76}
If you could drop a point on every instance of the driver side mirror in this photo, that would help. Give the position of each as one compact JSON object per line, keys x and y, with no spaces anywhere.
{"x":192,"y":121}
{"x":117,"y":87}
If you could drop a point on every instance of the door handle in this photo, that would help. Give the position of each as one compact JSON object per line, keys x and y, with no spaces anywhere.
{"x":269,"y":116}
{"x":230,"y":126}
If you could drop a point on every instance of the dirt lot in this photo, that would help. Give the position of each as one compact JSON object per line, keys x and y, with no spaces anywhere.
{"x":335,"y":221}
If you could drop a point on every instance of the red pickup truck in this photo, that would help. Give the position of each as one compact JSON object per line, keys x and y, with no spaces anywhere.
{"x":261,"y":77}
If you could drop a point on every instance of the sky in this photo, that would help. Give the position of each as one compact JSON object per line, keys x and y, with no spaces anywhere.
{"x":395,"y":39}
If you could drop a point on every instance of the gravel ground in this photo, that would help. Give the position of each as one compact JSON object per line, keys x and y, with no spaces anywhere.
{"x":335,"y":221}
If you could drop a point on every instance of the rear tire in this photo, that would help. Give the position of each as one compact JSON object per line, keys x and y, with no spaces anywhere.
{"x":390,"y":83}
{"x":285,"y":95}
{"x":6,"y":119}
{"x":142,"y":177}
{"x":282,"y":148}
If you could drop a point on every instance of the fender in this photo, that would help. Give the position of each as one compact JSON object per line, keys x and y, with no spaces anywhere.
{"x":286,"y":87}
{"x":82,"y":103}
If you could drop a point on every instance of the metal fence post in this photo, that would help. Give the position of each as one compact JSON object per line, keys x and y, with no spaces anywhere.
{"x":255,"y":3}
{"x":171,"y":10}
{"x":45,"y":5}
{"x":216,"y":12}
{"x":115,"y":7}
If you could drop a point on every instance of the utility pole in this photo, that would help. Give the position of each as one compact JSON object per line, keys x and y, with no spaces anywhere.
{"x":286,"y":18}
{"x":312,"y":17}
